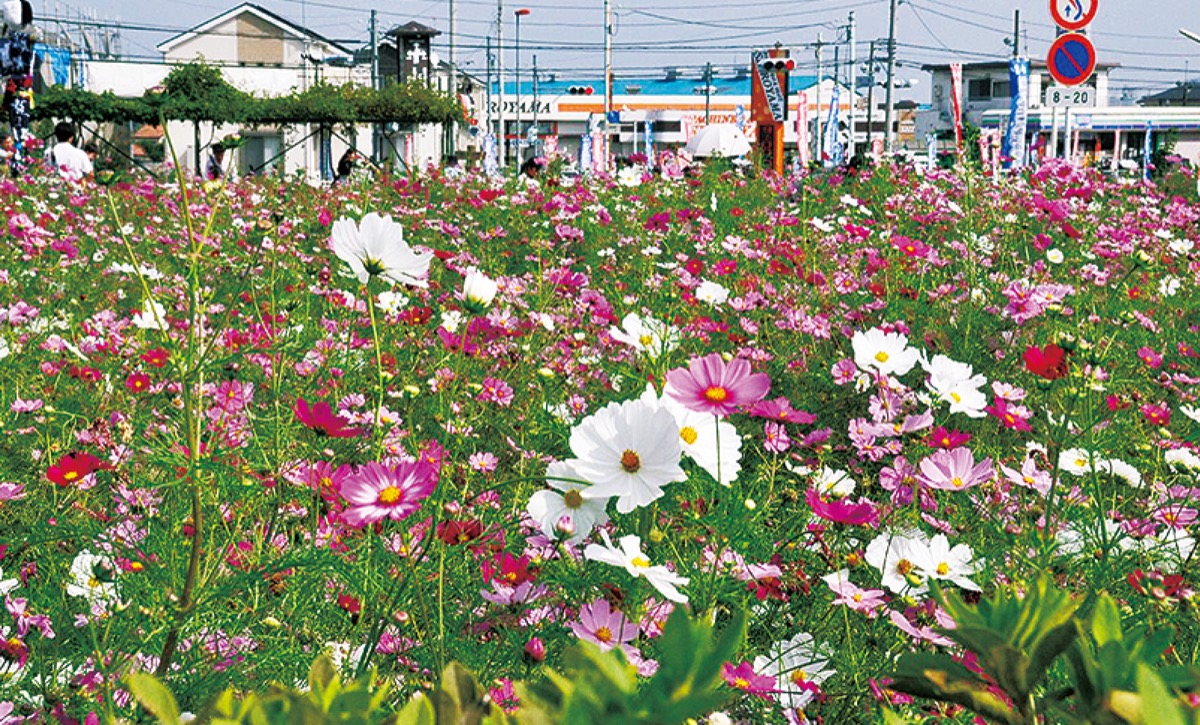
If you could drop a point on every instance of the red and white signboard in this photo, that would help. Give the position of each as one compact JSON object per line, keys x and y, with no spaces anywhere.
{"x":1073,"y":15}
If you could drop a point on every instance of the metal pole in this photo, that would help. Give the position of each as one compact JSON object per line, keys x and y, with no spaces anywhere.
{"x":517,"y":150}
{"x":1017,"y":33}
{"x":608,"y":81}
{"x":820,"y":134}
{"x":871,"y":99}
{"x":376,"y":147}
{"x":707,"y":91}
{"x":487,"y":100}
{"x":536,"y":134}
{"x":888,"y":136}
{"x":453,"y":35}
{"x":500,"y":155}
{"x":853,"y":89}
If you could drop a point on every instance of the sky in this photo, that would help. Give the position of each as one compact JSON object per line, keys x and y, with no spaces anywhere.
{"x":567,"y":35}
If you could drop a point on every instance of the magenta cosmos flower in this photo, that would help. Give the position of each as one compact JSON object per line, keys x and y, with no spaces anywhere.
{"x":376,"y":492}
{"x":710,"y":385}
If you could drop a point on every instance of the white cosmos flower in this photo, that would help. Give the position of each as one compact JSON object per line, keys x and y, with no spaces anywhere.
{"x":478,"y":289}
{"x":832,"y":483}
{"x":712,"y":293}
{"x":886,"y":352}
{"x":1182,"y":457}
{"x":1191,"y":411}
{"x":713,"y":444}
{"x":896,"y":556}
{"x":956,"y":383}
{"x":1077,"y":461}
{"x":629,"y":555}
{"x":564,"y":511}
{"x":646,"y":334}
{"x":7,"y":585}
{"x":796,"y":664}
{"x":1121,"y":470}
{"x":390,"y":302}
{"x":375,"y":247}
{"x":628,"y":450}
{"x":939,"y":561}
{"x":91,"y":575}
{"x":152,"y":316}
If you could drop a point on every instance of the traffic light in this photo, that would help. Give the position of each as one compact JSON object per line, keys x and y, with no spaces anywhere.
{"x":778,"y":65}
{"x":580,"y":90}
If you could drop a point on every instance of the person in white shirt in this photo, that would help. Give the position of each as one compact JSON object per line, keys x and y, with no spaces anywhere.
{"x":70,"y":161}
{"x":215,"y":169}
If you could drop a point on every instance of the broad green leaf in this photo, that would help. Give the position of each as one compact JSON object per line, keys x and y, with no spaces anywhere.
{"x":708,"y":668}
{"x":418,"y":711}
{"x":321,"y":673}
{"x":1106,"y":621}
{"x":1159,"y":705}
{"x":1046,"y":651}
{"x":154,"y":696}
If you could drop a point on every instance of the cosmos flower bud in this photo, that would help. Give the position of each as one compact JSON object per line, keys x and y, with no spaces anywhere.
{"x":534,"y":652}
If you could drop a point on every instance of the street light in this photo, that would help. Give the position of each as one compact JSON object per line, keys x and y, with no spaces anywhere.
{"x":1189,"y":35}
{"x":519,"y":13}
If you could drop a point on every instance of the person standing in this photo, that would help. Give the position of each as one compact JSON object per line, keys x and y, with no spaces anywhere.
{"x":70,"y":161}
{"x":215,"y":169}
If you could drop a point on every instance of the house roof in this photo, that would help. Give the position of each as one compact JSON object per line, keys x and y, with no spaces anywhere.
{"x":412,"y":27}
{"x":1002,"y":65}
{"x":1184,"y":92}
{"x":277,"y":20}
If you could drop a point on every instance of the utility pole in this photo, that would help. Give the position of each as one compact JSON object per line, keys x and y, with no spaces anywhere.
{"x":888,"y":139}
{"x":1016,"y":42}
{"x":853,"y":89}
{"x":453,"y":36}
{"x":376,"y":146}
{"x":871,"y":99}
{"x":487,"y":96}
{"x":500,"y":155}
{"x":707,"y":90}
{"x":536,"y":133}
{"x":820,"y":134}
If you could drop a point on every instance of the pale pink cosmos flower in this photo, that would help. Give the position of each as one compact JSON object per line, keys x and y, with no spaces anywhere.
{"x":376,"y":492}
{"x":955,"y":470}
{"x":851,"y":595}
{"x":1029,"y":476}
{"x":10,"y":491}
{"x":26,"y":406}
{"x":710,"y":385}
{"x":602,"y":626}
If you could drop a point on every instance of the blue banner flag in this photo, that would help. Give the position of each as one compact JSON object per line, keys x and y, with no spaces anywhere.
{"x":1013,"y":149}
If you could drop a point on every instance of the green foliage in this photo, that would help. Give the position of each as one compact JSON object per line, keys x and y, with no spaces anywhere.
{"x":602,"y":687}
{"x":1018,"y":639}
{"x":198,"y":92}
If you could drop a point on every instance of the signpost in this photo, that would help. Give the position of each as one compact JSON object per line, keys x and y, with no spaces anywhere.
{"x":1067,"y":97}
{"x":1072,"y":15}
{"x":1072,"y":59}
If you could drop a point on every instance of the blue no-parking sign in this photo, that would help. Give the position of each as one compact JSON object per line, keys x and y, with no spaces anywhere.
{"x":1072,"y":59}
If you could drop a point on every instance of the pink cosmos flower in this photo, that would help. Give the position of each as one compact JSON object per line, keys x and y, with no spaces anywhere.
{"x":710,"y":385}
{"x":744,"y":678}
{"x":376,"y":492}
{"x":1150,"y":357}
{"x":602,"y":626}
{"x":851,"y":595}
{"x":1029,"y":476}
{"x":11,"y":491}
{"x":1011,"y":416}
{"x":775,"y":437}
{"x":323,"y":420}
{"x":955,"y":470}
{"x":1159,"y":415}
{"x":780,"y":409}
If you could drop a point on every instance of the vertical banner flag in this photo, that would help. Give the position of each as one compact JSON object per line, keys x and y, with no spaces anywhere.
{"x":650,"y":141}
{"x":1013,"y":151}
{"x":956,"y":105}
{"x":491,"y":165}
{"x":739,"y":117}
{"x":585,"y":154}
{"x":803,"y":143}
{"x":832,"y":153}
{"x":1147,"y":150}
{"x":931,"y":149}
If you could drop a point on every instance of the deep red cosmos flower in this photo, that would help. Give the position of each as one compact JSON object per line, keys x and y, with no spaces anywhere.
{"x":137,"y":382}
{"x":1049,"y":362}
{"x":322,"y":419}
{"x":156,"y":358}
{"x":72,"y":467}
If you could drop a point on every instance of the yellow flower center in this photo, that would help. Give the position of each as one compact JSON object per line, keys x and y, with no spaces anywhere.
{"x":943,"y":569}
{"x":645,"y":340}
{"x":956,"y":482}
{"x":904,"y":566}
{"x":604,"y":634}
{"x":799,"y":677}
{"x":389,"y":495}
{"x":70,"y":475}
{"x":631,"y":462}
{"x":858,"y":597}
{"x":741,"y":683}
{"x":881,"y":356}
{"x":956,"y":397}
{"x":688,"y":434}
{"x":325,"y":482}
{"x":640,"y":562}
{"x":572,"y":499}
{"x":93,"y":582}
{"x":716,"y":394}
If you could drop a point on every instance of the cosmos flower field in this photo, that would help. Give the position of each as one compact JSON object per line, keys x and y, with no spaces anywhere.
{"x":419,"y":421}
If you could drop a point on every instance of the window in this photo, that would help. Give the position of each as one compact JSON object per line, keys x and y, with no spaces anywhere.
{"x":1001,"y":89}
{"x":979,"y":89}
{"x":261,"y":154}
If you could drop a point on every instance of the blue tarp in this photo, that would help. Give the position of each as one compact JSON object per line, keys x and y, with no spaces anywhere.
{"x":59,"y":59}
